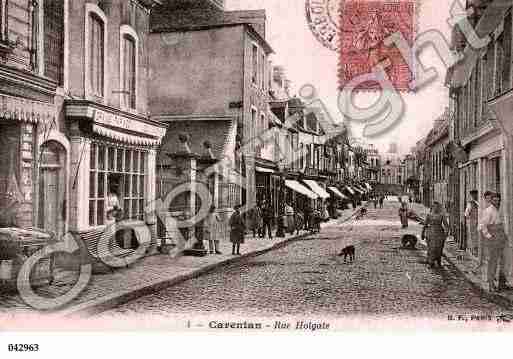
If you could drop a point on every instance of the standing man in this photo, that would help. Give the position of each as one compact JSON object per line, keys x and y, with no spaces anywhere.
{"x":267,"y":217}
{"x":492,"y":229}
{"x":471,"y":218}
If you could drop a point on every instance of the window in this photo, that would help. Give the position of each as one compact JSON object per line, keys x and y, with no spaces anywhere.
{"x":3,"y":20}
{"x":129,"y":71}
{"x":478,"y":93}
{"x":262,"y":72}
{"x":96,"y":55}
{"x":254,"y":62}
{"x":506,"y":68}
{"x":129,"y":167}
{"x":54,"y":40}
{"x":499,"y":66}
{"x":254,"y":124}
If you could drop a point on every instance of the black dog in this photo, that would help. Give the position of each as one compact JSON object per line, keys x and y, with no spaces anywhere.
{"x":348,"y":251}
{"x":409,"y":241}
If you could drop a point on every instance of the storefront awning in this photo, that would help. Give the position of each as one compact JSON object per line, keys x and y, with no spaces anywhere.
{"x":349,"y":189}
{"x":369,"y":187}
{"x":25,"y":110}
{"x":299,"y":188}
{"x":263,"y":170}
{"x":124,"y":137}
{"x":321,"y":192}
{"x":337,"y":192}
{"x":357,"y":189}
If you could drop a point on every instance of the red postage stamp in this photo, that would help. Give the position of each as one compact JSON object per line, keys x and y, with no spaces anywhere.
{"x":364,"y":25}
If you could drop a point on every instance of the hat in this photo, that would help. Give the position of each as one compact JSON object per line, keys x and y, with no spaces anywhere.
{"x":488,"y":193}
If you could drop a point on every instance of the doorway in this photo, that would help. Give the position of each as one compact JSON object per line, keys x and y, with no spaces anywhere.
{"x":51,"y":208}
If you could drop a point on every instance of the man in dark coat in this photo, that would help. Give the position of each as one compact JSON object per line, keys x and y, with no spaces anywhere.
{"x":237,"y":229}
{"x":267,"y":217}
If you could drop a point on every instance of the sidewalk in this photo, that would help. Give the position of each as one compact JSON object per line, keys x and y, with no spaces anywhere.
{"x":466,"y":265}
{"x":149,"y":275}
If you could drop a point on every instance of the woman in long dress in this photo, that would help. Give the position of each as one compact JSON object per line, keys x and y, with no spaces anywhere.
{"x":435,"y":231}
{"x":403,"y":213}
{"x":211,"y":231}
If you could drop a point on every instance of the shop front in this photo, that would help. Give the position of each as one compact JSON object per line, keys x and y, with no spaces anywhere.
{"x":113,"y":160}
{"x":33,"y":182}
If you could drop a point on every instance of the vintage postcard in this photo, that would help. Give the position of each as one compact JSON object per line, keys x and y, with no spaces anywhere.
{"x":241,"y":166}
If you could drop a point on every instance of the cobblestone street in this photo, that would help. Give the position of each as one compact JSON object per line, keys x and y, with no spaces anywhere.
{"x":307,"y":277}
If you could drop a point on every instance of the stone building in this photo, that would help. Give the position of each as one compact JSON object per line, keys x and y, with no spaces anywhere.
{"x":481,"y":90}
{"x":212,"y":63}
{"x":113,"y":140}
{"x":34,"y":151}
{"x":436,"y":144}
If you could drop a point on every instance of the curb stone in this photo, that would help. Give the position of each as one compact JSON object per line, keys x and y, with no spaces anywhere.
{"x":110,"y":301}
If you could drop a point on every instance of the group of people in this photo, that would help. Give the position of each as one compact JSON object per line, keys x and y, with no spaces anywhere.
{"x":260,"y":221}
{"x":486,"y":231}
{"x":377,"y":199}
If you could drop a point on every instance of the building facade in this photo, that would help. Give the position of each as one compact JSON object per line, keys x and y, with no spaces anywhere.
{"x":480,"y":89}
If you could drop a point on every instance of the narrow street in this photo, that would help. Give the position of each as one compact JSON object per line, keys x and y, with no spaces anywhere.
{"x":307,"y":277}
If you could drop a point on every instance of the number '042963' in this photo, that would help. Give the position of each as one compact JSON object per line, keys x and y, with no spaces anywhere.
{"x":23,"y":347}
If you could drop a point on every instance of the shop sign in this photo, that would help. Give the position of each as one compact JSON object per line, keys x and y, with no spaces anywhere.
{"x":110,"y":119}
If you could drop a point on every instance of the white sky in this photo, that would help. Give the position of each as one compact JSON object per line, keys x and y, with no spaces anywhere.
{"x":308,"y":62}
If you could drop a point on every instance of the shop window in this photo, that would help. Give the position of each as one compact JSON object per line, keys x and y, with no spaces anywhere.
{"x":54,"y":40}
{"x":96,"y":55}
{"x":124,"y":167}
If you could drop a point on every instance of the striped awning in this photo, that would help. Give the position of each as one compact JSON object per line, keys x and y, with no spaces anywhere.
{"x":298,"y":187}
{"x":263,"y":170}
{"x":124,"y":137}
{"x":337,"y":192}
{"x":349,"y":189}
{"x":369,"y":187}
{"x":321,"y":192}
{"x":25,"y":110}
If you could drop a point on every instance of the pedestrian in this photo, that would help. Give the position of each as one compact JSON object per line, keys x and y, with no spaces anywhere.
{"x":255,"y":219}
{"x":237,"y":229}
{"x":210,"y":229}
{"x":289,"y":213}
{"x":375,"y":201}
{"x":267,"y":219}
{"x":298,"y":220}
{"x":381,"y":200}
{"x":307,"y":215}
{"x":471,"y":218}
{"x":403,"y":213}
{"x":491,"y":227}
{"x":435,"y":232}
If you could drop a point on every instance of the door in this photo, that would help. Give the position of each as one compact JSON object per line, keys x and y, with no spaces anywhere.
{"x":51,"y":189}
{"x":49,"y":199}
